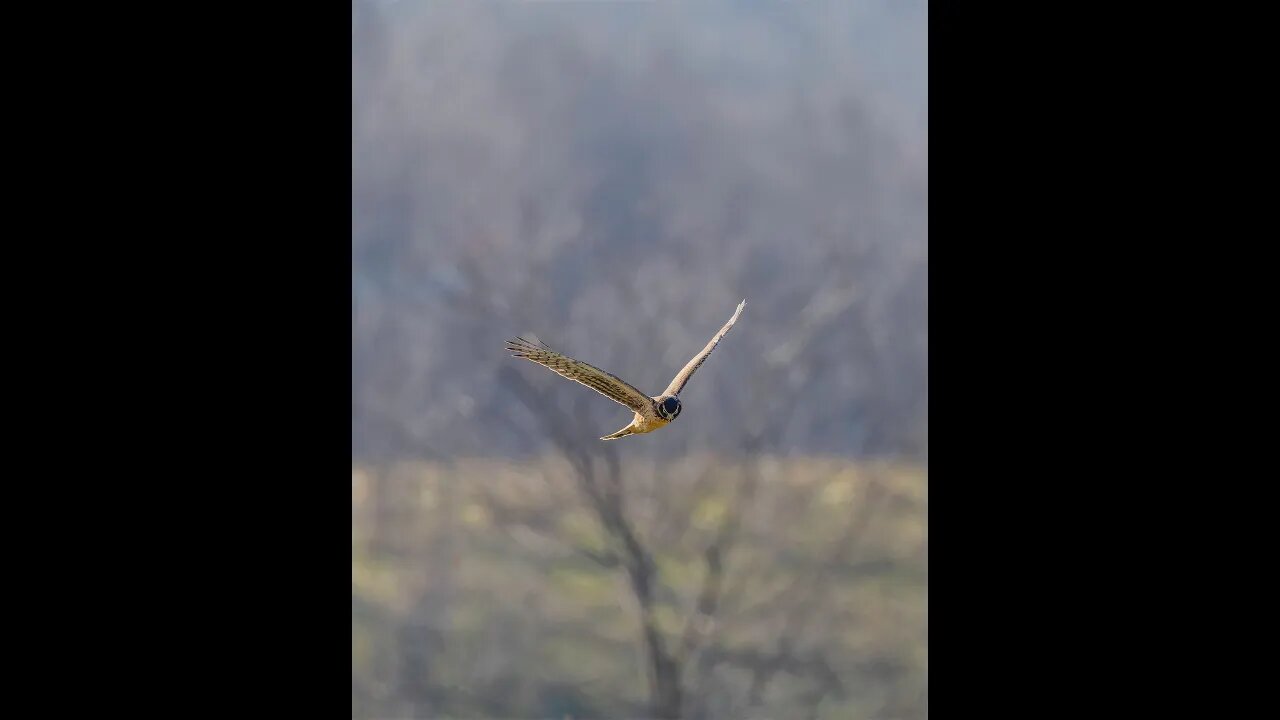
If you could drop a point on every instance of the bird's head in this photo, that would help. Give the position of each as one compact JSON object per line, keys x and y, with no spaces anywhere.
{"x":669,"y":408}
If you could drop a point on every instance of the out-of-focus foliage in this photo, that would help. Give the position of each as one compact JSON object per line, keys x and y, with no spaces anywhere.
{"x":827,"y":582}
{"x":612,"y":178}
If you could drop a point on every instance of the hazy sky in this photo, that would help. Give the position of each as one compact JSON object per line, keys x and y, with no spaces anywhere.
{"x":555,"y":167}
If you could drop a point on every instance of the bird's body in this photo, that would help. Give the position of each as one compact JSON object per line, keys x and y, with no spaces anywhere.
{"x":650,"y":412}
{"x":644,"y":422}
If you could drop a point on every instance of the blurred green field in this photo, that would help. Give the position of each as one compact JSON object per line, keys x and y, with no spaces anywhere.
{"x":489,"y":588}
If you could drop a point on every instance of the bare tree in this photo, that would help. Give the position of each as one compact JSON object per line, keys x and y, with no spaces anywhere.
{"x":599,"y":478}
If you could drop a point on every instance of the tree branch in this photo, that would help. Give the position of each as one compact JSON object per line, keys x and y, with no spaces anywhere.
{"x":606,"y":498}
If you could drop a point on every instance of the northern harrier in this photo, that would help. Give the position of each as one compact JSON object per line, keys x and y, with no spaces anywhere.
{"x":651,"y":412}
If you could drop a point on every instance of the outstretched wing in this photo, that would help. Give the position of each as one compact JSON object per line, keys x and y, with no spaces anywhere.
{"x":677,"y":383}
{"x":593,"y":377}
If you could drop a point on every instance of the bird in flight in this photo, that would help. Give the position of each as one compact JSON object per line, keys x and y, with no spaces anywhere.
{"x":651,"y":413}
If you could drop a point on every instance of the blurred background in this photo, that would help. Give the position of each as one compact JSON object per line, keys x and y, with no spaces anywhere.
{"x":613,"y":178}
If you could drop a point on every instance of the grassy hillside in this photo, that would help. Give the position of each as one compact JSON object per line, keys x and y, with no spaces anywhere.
{"x":488,"y":588}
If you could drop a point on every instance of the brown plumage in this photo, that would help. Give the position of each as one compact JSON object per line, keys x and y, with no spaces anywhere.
{"x":651,"y":413}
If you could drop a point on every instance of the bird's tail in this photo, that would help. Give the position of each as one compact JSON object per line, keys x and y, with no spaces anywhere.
{"x":621,"y":433}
